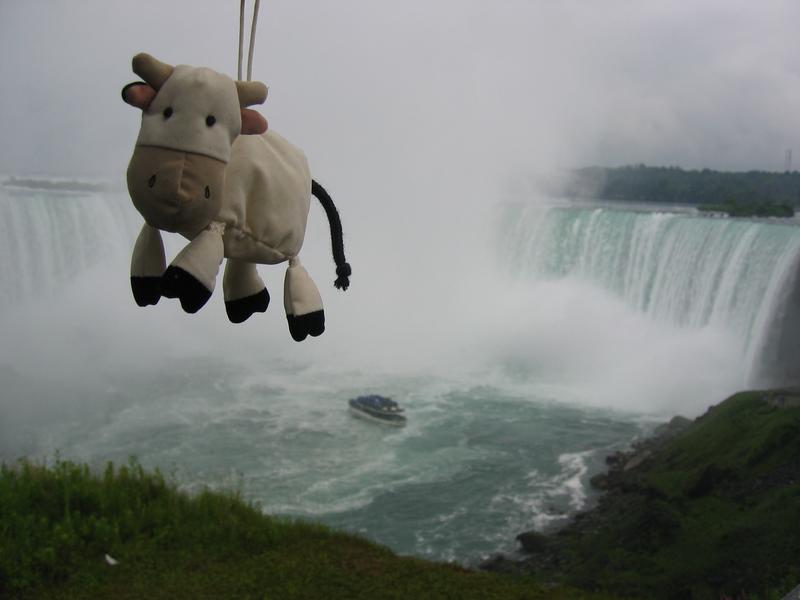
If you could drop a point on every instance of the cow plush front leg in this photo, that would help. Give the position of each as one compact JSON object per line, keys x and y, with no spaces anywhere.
{"x":193,"y":274}
{"x":147,"y":266}
{"x":302,"y":302}
{"x":244,"y":291}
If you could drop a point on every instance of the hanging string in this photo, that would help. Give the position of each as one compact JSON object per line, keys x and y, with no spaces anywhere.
{"x":252,"y":41}
{"x":241,"y":40}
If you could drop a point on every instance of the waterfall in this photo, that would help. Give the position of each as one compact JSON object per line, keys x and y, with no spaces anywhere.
{"x":678,"y":267}
{"x":48,"y":237}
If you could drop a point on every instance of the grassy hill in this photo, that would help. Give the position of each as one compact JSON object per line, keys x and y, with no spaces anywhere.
{"x":57,"y":524}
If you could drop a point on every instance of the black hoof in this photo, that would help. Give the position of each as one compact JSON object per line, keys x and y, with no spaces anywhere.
{"x":146,"y":290}
{"x":312,"y":324}
{"x":177,"y":283}
{"x":240,"y":310}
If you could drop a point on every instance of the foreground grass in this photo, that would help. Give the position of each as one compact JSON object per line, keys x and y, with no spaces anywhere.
{"x":57,"y":524}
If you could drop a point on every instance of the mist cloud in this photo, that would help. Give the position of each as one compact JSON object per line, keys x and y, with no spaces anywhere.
{"x":423,"y":90}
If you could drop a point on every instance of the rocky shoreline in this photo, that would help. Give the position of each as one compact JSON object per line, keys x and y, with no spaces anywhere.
{"x":541,"y":549}
{"x":696,"y":497}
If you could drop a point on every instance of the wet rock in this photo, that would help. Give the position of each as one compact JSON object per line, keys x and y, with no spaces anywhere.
{"x":500,"y":563}
{"x":532,"y":541}
{"x":601,"y":481}
{"x":636,"y":460}
{"x":675,"y":426}
{"x":615,"y":460}
{"x":786,"y":398}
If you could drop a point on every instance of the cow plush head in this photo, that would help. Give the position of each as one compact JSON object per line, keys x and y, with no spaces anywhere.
{"x":190,"y":119}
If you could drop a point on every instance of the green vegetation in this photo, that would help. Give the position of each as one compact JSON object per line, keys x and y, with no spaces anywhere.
{"x":673,"y":185}
{"x":750,"y":209}
{"x":713,"y":511}
{"x":57,"y":524}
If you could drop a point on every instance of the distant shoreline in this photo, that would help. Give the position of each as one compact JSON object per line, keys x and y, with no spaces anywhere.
{"x":763,"y":191}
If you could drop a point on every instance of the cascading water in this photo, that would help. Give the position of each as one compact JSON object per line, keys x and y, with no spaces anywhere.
{"x":677,"y":267}
{"x":49,"y":237}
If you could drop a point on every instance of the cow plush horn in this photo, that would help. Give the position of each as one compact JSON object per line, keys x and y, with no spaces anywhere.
{"x":251,"y":92}
{"x":152,"y":70}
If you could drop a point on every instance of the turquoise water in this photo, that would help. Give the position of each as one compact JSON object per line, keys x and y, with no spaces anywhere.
{"x":475,"y":466}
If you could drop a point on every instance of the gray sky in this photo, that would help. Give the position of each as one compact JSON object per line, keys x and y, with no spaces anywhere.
{"x":425,"y":89}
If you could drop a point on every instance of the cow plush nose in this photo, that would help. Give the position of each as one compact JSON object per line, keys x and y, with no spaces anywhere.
{"x":165,"y":188}
{"x":175,"y":190}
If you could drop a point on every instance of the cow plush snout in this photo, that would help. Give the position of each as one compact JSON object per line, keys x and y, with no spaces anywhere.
{"x":176,"y":191}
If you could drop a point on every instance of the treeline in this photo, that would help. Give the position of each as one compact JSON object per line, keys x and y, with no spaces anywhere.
{"x":641,"y":183}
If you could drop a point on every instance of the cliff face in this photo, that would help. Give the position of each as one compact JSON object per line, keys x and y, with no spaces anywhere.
{"x":780,"y":357}
{"x":711,"y":508}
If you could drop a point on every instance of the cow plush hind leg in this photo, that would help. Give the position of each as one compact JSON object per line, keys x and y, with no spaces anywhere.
{"x":147,"y":266}
{"x":193,"y":274}
{"x":244,"y":291}
{"x":302,"y":302}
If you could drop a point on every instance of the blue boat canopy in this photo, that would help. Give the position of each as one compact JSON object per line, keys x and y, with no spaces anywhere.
{"x":376,"y":402}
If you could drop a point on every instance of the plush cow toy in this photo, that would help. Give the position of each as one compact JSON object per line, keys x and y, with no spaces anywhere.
{"x":206,"y":167}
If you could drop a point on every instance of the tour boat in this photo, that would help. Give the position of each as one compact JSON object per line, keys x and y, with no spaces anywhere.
{"x":378,"y":408}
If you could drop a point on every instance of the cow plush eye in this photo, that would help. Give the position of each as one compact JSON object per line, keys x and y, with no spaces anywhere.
{"x":210,"y":120}
{"x":208,"y":192}
{"x":168,"y":112}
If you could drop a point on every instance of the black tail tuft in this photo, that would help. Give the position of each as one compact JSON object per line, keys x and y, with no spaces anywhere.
{"x":343,"y":270}
{"x":343,"y":273}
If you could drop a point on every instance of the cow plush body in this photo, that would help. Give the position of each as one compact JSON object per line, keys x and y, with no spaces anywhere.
{"x":206,"y":167}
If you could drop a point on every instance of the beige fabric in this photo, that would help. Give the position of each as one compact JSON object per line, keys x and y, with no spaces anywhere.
{"x":266,"y":201}
{"x":202,"y":256}
{"x":300,"y":294}
{"x":152,"y":70}
{"x":251,"y":92}
{"x":168,"y":188}
{"x":193,"y":94}
{"x":180,"y":166}
{"x":241,"y":280}
{"x":148,"y":254}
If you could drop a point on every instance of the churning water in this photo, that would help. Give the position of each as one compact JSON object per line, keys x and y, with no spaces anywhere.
{"x":604,"y":321}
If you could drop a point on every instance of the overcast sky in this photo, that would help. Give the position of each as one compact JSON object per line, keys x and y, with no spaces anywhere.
{"x":430,"y":89}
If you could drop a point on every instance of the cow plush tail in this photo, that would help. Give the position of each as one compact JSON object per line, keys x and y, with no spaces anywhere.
{"x":343,"y":270}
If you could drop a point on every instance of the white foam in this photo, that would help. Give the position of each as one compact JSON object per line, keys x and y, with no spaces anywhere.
{"x":571,"y":481}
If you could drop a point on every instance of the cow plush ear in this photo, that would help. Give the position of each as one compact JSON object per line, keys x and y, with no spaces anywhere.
{"x":252,"y":122}
{"x":138,"y":94}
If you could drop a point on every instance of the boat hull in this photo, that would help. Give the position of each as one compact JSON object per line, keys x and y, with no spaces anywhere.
{"x":400,"y":421}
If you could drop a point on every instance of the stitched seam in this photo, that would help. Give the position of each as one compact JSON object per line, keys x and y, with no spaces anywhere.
{"x":242,"y":233}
